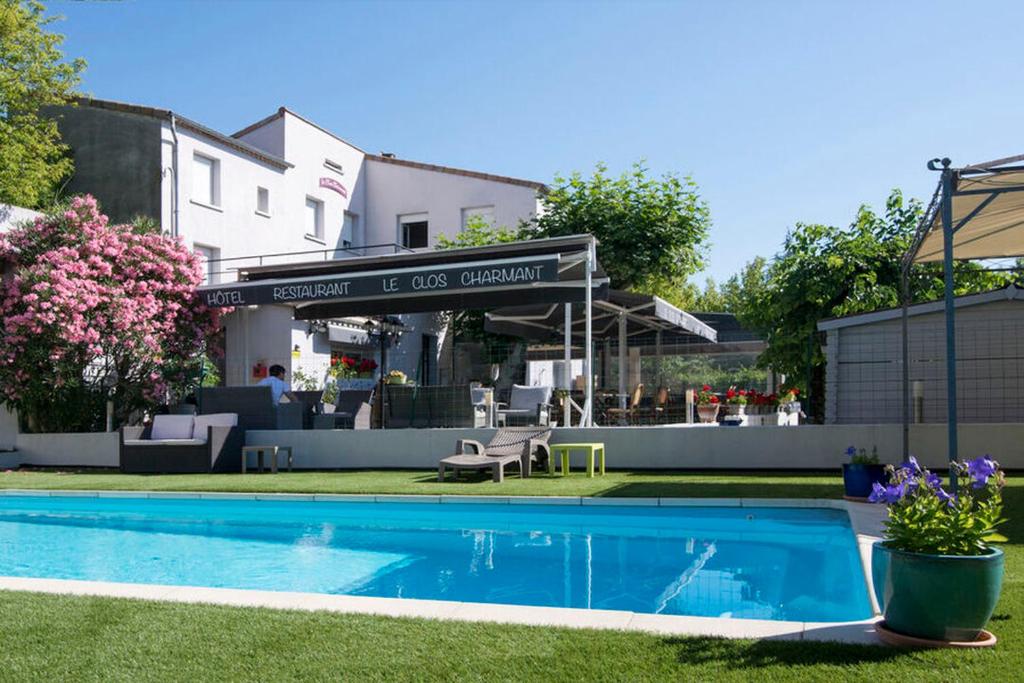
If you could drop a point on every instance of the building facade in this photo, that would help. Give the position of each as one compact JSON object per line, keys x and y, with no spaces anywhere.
{"x":282,"y":190}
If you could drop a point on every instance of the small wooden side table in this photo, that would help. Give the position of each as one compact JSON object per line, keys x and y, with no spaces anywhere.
{"x":592,"y":450}
{"x":272,"y":450}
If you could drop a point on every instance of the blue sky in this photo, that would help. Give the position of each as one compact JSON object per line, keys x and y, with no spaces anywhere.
{"x":781,"y":111}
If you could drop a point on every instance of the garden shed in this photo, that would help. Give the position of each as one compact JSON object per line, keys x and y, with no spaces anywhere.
{"x":863,"y":381}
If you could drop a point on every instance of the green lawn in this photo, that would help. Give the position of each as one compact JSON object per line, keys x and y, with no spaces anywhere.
{"x":46,"y":637}
{"x":664,"y":484}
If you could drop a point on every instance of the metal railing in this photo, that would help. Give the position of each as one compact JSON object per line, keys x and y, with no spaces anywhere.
{"x":326,"y":254}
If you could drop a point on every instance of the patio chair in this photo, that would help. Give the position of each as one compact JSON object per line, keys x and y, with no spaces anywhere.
{"x":659,"y":408}
{"x":182,"y":444}
{"x":628,"y":414}
{"x":526,"y":406}
{"x":522,"y":445}
{"x":352,"y":410}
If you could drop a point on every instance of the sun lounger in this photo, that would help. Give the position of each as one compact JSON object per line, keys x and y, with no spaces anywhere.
{"x":522,"y":445}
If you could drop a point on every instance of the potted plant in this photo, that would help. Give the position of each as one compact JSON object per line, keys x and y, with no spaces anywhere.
{"x":707,"y":404}
{"x":789,"y":400}
{"x":396,"y":377}
{"x":735,"y":401}
{"x":862,"y":472}
{"x":935,"y":574}
{"x":367,"y":366}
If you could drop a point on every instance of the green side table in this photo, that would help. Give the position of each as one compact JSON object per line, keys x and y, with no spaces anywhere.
{"x":592,"y":450}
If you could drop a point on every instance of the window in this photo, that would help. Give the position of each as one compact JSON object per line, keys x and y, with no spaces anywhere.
{"x":205,"y":180}
{"x":263,"y":201}
{"x":482,"y":213}
{"x":209,"y":256}
{"x":414,"y":231}
{"x":334,"y":166}
{"x":314,"y":218}
{"x":348,"y":229}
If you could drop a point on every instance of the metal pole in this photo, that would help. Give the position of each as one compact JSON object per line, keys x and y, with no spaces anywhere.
{"x":567,"y":359}
{"x":657,"y":359}
{"x":622,"y":360}
{"x":947,"y":253}
{"x":588,"y":366}
{"x":905,"y":282}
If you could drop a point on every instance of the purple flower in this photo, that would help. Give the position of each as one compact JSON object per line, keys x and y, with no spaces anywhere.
{"x":887,"y":494}
{"x":911,"y":465}
{"x":851,"y":451}
{"x":946,"y":498}
{"x":981,"y":469}
{"x":933,"y":480}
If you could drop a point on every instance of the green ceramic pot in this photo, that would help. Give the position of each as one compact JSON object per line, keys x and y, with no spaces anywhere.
{"x":939,"y":597}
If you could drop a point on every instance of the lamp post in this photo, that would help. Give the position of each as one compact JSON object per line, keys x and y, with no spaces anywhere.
{"x":386,"y":331}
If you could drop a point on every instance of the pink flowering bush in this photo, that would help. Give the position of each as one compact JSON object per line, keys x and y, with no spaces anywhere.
{"x":88,"y":309}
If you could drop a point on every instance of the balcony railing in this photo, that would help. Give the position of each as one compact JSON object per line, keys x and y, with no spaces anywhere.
{"x":226,"y":269}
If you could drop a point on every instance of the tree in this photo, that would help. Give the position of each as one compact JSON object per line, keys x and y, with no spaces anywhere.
{"x":652,"y":232}
{"x":33,"y":75}
{"x":94,"y":311}
{"x":479,"y":232}
{"x":824,"y":271}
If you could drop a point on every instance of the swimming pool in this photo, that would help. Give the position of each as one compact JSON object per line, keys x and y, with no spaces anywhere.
{"x":793,"y":564}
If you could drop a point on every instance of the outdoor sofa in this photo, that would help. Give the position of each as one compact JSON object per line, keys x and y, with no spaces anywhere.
{"x":521,"y":446}
{"x":180,"y":444}
{"x":253,"y":405}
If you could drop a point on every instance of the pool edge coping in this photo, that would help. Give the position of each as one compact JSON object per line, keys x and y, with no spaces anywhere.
{"x":864,"y":519}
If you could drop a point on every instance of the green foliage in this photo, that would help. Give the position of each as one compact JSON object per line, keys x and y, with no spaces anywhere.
{"x":304,"y":381}
{"x":719,"y":370}
{"x":652,"y":232}
{"x":479,"y":232}
{"x":861,"y":457}
{"x":925,"y":519}
{"x":33,"y":75}
{"x":824,"y":271}
{"x":469,"y":325}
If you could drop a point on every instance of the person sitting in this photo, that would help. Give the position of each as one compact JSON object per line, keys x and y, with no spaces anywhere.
{"x":278,"y":387}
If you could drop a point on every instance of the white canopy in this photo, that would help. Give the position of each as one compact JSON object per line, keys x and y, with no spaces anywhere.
{"x":988,"y":216}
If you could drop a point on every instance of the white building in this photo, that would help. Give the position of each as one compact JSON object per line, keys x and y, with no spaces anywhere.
{"x":282,"y":189}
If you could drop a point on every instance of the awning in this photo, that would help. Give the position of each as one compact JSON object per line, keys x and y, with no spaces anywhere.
{"x":644,"y":316}
{"x":988,"y":216}
{"x":536,"y":271}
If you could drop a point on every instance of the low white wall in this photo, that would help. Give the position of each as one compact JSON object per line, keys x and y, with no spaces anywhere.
{"x":8,"y":429}
{"x":805,"y":447}
{"x":94,"y":449}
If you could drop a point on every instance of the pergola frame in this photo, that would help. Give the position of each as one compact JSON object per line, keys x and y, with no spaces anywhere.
{"x":940,"y":210}
{"x":552,"y":270}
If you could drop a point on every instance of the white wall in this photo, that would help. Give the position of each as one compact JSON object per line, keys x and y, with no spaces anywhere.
{"x":233,"y":227}
{"x":11,"y":215}
{"x":816,"y":447}
{"x":265,"y":337}
{"x":807,"y":447}
{"x":8,"y":429}
{"x":394,"y":190}
{"x":93,"y":449}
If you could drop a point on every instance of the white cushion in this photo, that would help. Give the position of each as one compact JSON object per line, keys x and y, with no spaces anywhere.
{"x":171,"y":427}
{"x":528,"y":398}
{"x":164,"y":442}
{"x":199,"y":431}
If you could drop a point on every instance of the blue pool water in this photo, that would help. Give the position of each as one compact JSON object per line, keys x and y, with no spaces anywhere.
{"x":761,"y":563}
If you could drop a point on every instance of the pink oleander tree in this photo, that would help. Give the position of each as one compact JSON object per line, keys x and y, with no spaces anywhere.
{"x":92,"y":311}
